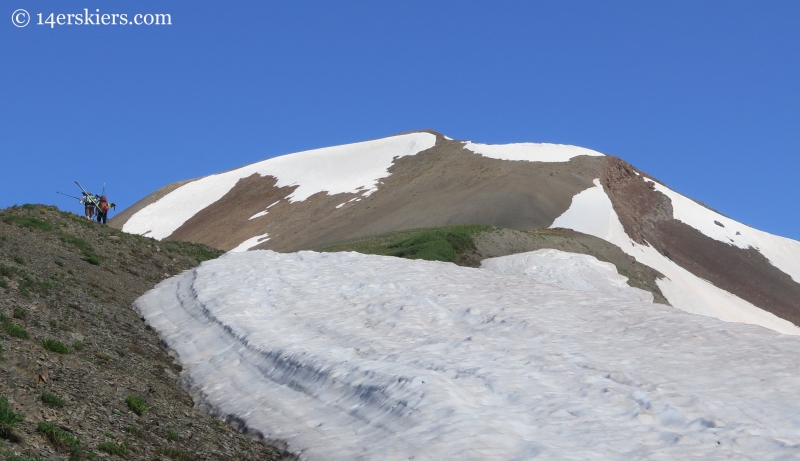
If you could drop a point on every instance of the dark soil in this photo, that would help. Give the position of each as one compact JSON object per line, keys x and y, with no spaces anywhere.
{"x":77,"y":362}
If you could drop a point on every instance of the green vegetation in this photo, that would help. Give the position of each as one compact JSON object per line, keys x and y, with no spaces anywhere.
{"x":172,"y":435}
{"x":12,"y":329}
{"x":23,"y":221}
{"x":18,"y":260}
{"x":77,"y":345}
{"x":136,"y":404}
{"x":52,"y":400}
{"x":20,"y":313}
{"x":432,"y":244}
{"x":8,"y":419}
{"x":55,"y":346}
{"x":61,"y":439}
{"x":174,"y":453}
{"x":133,"y":430}
{"x":114,"y":449}
{"x":7,"y":271}
{"x":199,"y":252}
{"x":24,"y":458}
{"x":85,"y":247}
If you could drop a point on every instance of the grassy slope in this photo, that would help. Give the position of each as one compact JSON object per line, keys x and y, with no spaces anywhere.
{"x":80,"y":373}
{"x":448,"y":244}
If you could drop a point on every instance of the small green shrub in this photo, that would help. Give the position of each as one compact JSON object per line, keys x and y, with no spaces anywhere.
{"x":81,"y":244}
{"x":174,"y":453}
{"x":93,"y":260}
{"x":55,"y":346}
{"x":20,"y":313}
{"x":18,"y":260}
{"x":133,"y":430}
{"x":52,"y":400}
{"x":60,"y":438}
{"x":33,"y":223}
{"x":77,"y":345}
{"x":8,"y":419}
{"x":12,"y":329}
{"x":7,"y":271}
{"x":114,"y":449}
{"x":3,"y":283}
{"x":58,"y":263}
{"x":136,"y":404}
{"x":172,"y":435}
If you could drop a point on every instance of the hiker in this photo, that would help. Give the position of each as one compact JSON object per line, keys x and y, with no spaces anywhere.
{"x":102,"y":209}
{"x":89,"y":201}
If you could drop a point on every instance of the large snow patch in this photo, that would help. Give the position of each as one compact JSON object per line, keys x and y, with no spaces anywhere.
{"x":568,"y":270}
{"x":591,"y":212}
{"x":530,"y":152}
{"x":345,"y":356}
{"x":350,"y":168}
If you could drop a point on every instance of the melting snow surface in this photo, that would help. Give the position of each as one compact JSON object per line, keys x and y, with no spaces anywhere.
{"x":346,"y":356}
{"x":531,"y":152}
{"x":782,"y":252}
{"x":350,"y":168}
{"x":568,"y":270}
{"x":591,"y":212}
{"x":250,"y":243}
{"x":265,"y":212}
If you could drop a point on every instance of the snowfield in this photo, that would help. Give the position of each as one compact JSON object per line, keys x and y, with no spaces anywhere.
{"x":349,"y":168}
{"x":568,"y":270}
{"x":530,"y":152}
{"x":592,"y":212}
{"x":345,"y":356}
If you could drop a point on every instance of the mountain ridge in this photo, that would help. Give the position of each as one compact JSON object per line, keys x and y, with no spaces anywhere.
{"x":424,"y":179}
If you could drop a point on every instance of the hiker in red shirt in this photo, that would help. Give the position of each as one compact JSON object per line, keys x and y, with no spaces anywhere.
{"x":102,"y":209}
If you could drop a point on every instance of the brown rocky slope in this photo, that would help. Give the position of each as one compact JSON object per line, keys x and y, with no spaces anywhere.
{"x":77,"y":362}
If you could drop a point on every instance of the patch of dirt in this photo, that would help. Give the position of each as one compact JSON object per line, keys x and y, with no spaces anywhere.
{"x":50,"y":290}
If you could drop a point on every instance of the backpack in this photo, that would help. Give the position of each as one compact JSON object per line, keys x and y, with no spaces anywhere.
{"x":104,"y":206}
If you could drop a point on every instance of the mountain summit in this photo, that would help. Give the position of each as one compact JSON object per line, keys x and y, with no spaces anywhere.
{"x":710,"y":264}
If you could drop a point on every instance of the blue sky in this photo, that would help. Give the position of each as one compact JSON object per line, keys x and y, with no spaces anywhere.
{"x":702,"y":95}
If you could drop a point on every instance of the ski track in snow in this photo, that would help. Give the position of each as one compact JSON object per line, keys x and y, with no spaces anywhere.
{"x":591,"y":212}
{"x":351,"y":168}
{"x":346,"y":356}
{"x":531,"y":152}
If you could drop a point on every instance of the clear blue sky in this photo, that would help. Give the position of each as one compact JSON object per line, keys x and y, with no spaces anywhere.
{"x":702,"y":95}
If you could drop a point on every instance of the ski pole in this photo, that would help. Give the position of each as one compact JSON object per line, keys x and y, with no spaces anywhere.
{"x":71,"y":196}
